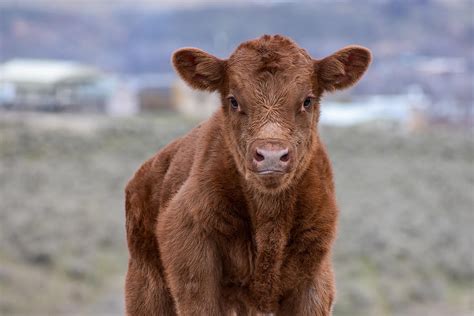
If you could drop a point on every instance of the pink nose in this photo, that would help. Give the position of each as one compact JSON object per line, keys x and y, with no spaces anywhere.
{"x":271,"y":156}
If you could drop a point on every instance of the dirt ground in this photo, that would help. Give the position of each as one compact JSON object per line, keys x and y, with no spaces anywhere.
{"x":406,"y":200}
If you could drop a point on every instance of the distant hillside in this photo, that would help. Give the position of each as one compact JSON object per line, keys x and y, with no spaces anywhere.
{"x":141,"y":38}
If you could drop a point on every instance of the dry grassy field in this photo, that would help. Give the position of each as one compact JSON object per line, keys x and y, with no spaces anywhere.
{"x":406,"y":199}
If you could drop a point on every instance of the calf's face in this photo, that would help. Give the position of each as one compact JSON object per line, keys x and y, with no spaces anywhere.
{"x":270,"y":90}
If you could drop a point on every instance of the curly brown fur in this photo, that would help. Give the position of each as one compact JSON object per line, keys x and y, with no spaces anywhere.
{"x":209,"y":233}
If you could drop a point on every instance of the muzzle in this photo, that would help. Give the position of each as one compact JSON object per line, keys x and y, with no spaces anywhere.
{"x":270,"y":156}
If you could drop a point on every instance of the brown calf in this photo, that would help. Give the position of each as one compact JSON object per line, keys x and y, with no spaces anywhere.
{"x":238,"y":217}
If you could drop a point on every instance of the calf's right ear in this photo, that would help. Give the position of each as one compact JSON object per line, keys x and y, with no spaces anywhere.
{"x":199,"y":69}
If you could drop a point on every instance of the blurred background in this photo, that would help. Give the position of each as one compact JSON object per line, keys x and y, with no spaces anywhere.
{"x":87,"y":93}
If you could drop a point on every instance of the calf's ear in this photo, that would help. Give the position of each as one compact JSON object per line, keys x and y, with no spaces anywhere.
{"x":199,"y":69}
{"x":343,"y":68}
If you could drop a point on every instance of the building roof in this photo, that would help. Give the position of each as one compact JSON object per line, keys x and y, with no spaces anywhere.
{"x":44,"y":72}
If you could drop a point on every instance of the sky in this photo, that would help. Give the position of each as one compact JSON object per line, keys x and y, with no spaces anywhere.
{"x":74,"y":4}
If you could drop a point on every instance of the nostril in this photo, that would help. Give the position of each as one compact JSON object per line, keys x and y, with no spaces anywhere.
{"x":258,"y":156}
{"x":285,"y":157}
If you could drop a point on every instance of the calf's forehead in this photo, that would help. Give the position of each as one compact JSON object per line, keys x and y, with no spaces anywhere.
{"x":267,"y":63}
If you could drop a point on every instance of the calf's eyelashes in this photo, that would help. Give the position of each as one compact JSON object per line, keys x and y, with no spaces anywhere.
{"x":234,"y":105}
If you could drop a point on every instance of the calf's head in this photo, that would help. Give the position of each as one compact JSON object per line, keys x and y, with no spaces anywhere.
{"x":270,"y":90}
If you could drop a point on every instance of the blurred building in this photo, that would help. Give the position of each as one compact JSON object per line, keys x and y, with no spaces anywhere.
{"x":194,"y":103}
{"x":408,"y":109}
{"x":165,"y":92}
{"x":32,"y":84}
{"x":154,"y":91}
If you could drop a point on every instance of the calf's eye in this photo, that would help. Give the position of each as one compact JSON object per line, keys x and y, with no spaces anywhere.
{"x":307,"y":103}
{"x":234,"y":105}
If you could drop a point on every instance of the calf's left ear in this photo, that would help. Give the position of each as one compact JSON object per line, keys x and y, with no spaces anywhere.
{"x":343,"y":68}
{"x":199,"y":69}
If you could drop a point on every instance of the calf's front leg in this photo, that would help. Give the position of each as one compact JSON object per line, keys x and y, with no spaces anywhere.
{"x":191,"y":264}
{"x":313,"y":297}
